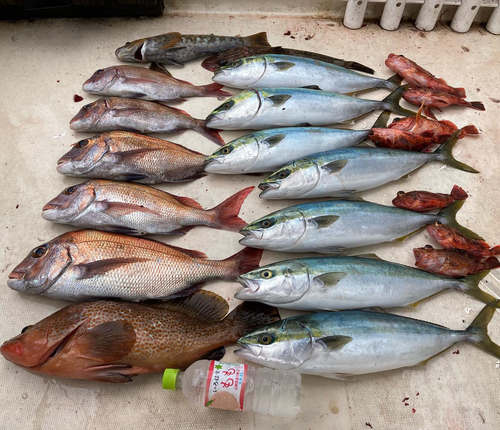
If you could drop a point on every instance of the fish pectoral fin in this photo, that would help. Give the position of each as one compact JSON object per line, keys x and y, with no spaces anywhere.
{"x":119,"y":209}
{"x":333,"y":343}
{"x":123,"y":113}
{"x":370,"y":255}
{"x":274,"y":140}
{"x":109,"y":341}
{"x":330,"y":279}
{"x":96,"y":268}
{"x":334,"y":250}
{"x":174,"y":62}
{"x":335,"y":166}
{"x":338,"y":376}
{"x":117,"y":373}
{"x":191,"y":252}
{"x":281,"y":66}
{"x":188,"y":201}
{"x":278,"y":99}
{"x":202,"y":305}
{"x":159,"y":68}
{"x":323,"y":221}
{"x":170,"y":39}
{"x":180,"y":231}
{"x":311,"y":87}
{"x":124,"y":230}
{"x":216,"y":354}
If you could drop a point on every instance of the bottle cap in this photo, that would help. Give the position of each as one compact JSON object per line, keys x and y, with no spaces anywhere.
{"x":169,"y":378}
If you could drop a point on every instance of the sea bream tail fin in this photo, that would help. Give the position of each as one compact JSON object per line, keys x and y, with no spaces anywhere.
{"x":250,"y":315}
{"x":444,"y":153}
{"x":225,"y":215}
{"x":242,"y":262}
{"x":214,"y":90}
{"x":478,"y":330}
{"x":210,"y":134}
{"x":391,"y":102}
{"x":470,"y":286}
{"x":448,"y":217}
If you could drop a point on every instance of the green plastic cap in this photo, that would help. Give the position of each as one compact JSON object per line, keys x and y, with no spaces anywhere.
{"x":169,"y":378}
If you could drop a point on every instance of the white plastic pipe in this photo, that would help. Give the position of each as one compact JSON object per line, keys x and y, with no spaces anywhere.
{"x":393,"y":12}
{"x":493,"y":25}
{"x":465,"y":14}
{"x":355,"y":13}
{"x":428,"y":15}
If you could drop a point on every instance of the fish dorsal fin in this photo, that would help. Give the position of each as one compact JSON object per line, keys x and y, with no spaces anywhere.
{"x":335,"y":166}
{"x":191,"y":252}
{"x":278,"y":99}
{"x":419,"y":113}
{"x":202,"y":305}
{"x":311,"y":87}
{"x":159,"y":68}
{"x":170,"y":39}
{"x":274,"y":140}
{"x":333,"y":343}
{"x":330,"y":279}
{"x":370,"y":255}
{"x":187,"y":201}
{"x":324,"y":221}
{"x":107,"y":342}
{"x":281,"y":66}
{"x":96,"y":268}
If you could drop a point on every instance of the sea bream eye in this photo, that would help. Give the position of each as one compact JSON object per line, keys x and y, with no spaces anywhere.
{"x":266,"y":339}
{"x":40,"y":251}
{"x":87,"y":107}
{"x":26,"y":328}
{"x":98,"y":71}
{"x":70,"y":190}
{"x":82,"y":143}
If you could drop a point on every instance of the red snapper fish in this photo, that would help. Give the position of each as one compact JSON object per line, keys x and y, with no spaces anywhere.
{"x":425,"y":201}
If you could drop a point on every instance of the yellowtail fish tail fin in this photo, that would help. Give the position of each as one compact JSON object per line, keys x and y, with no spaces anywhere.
{"x":259,"y":39}
{"x":210,"y":134}
{"x":382,"y":120}
{"x":478,"y":330}
{"x":394,"y":82}
{"x":243,"y":262}
{"x":359,"y":67}
{"x":214,"y":90}
{"x":444,"y":153}
{"x":225,"y":215}
{"x":250,"y":315}
{"x":448,"y":216}
{"x":470,"y":286}
{"x":391,"y":102}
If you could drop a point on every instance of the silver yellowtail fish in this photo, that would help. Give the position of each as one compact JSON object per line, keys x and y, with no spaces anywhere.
{"x":122,"y":207}
{"x":89,"y":264}
{"x":343,"y":172}
{"x":339,"y":344}
{"x":340,"y":283}
{"x":281,"y":107}
{"x":146,"y":84}
{"x":176,"y":48}
{"x":333,"y":226}
{"x":117,"y":113}
{"x":278,"y":71}
{"x":268,"y":150}
{"x":125,"y":156}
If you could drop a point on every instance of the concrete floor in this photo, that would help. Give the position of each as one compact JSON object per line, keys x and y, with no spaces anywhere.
{"x":44,"y":64}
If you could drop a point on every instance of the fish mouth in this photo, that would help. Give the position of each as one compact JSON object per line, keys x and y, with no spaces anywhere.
{"x":271,"y":185}
{"x":212,"y":120}
{"x":248,"y":352}
{"x":257,"y":234}
{"x":49,"y":206}
{"x":249,"y":292}
{"x":212,"y":161}
{"x":64,"y":166}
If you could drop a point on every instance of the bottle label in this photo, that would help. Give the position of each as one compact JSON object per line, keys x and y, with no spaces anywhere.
{"x":226,"y":385}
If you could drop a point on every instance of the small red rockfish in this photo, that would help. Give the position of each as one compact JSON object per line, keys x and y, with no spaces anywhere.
{"x":425,"y":201}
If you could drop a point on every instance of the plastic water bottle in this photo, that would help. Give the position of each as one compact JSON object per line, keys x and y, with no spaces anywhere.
{"x":237,"y":387}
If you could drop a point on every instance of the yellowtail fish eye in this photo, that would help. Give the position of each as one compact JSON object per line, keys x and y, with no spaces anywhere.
{"x":237,"y":63}
{"x":82,"y":143}
{"x":266,"y":274}
{"x":40,"y":251}
{"x":226,"y":150}
{"x":26,"y":328}
{"x":283,"y":174}
{"x":266,"y":338}
{"x":70,"y":190}
{"x":267,"y":223}
{"x":226,"y":106}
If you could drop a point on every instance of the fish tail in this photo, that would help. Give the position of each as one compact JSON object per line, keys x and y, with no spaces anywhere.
{"x":391,"y":102}
{"x":495,"y":250}
{"x":353,"y":65}
{"x":444,"y":154}
{"x":225,"y":215}
{"x":244,"y":261}
{"x":491,"y":263}
{"x":258,"y":39}
{"x":250,"y":315}
{"x":382,"y":120}
{"x":394,"y":82}
{"x":478,"y":330}
{"x":210,"y":134}
{"x":448,"y":216}
{"x":477,"y":105}
{"x":214,"y":90}
{"x":470,"y":286}
{"x":458,"y":193}
{"x":469,"y":129}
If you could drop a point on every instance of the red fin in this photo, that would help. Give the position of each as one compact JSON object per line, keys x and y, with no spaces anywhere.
{"x":491,"y":263}
{"x":495,"y":250}
{"x":214,"y":90}
{"x":477,"y":106}
{"x":191,"y":252}
{"x":244,"y":261}
{"x":117,"y":373}
{"x":179,"y":110}
{"x":429,"y":113}
{"x":459,"y":92}
{"x":449,"y":124}
{"x":458,"y":193}
{"x":468,"y":129}
{"x":226,"y":213}
{"x":184,"y":82}
{"x":89,"y":270}
{"x":209,"y":133}
{"x":418,"y":116}
{"x":109,"y":341}
{"x":187,"y":201}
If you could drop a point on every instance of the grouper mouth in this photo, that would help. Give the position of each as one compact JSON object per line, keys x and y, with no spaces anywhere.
{"x":138,"y":53}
